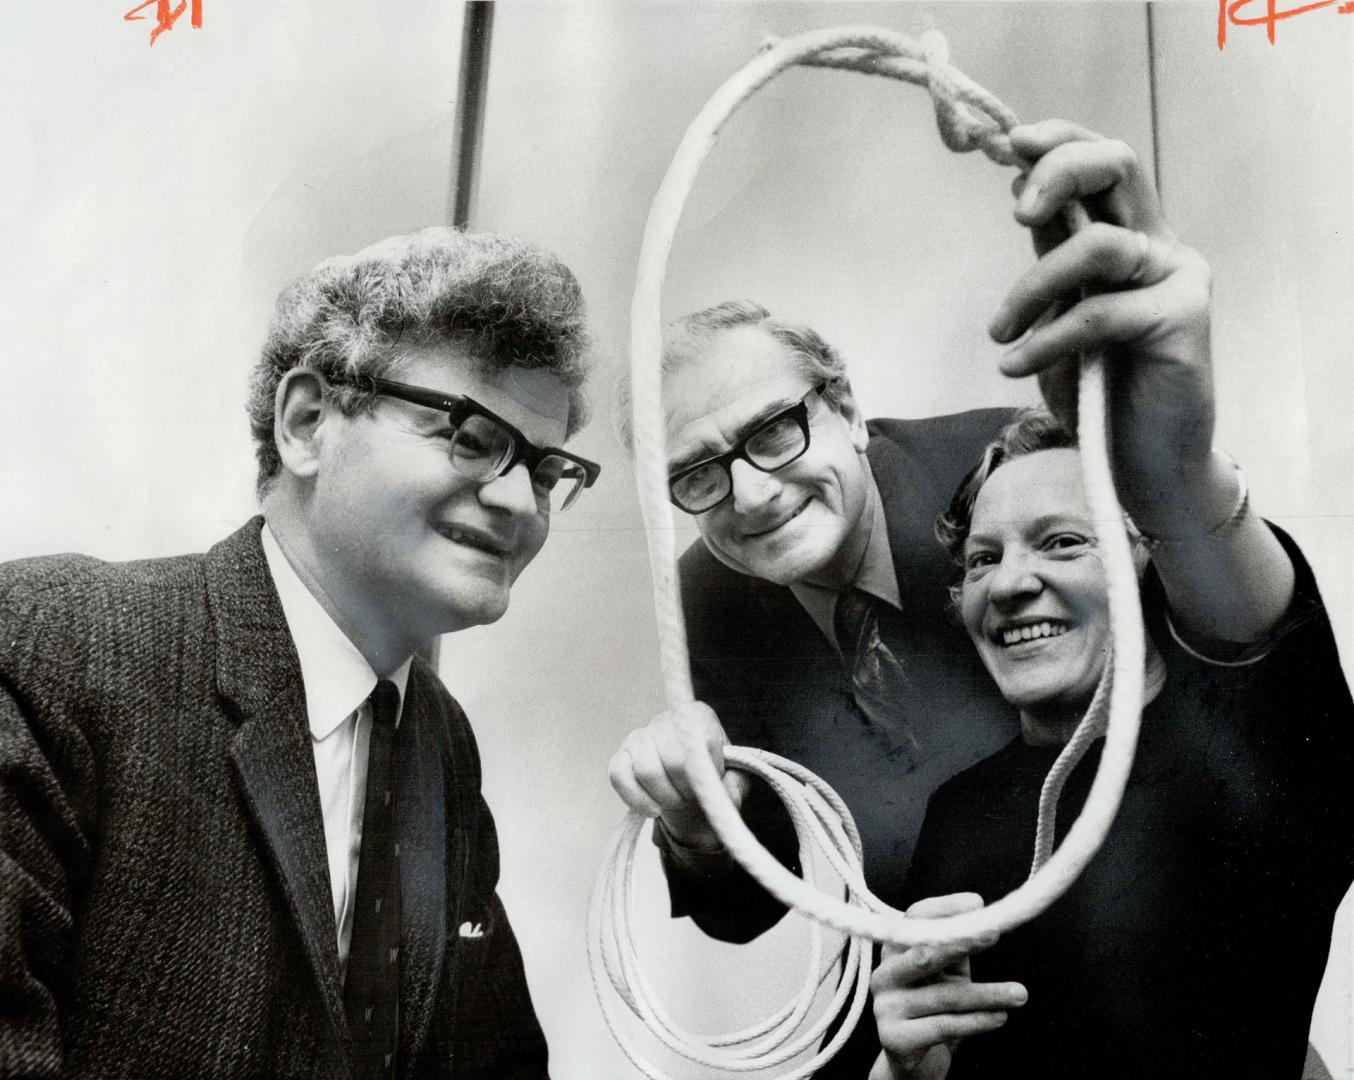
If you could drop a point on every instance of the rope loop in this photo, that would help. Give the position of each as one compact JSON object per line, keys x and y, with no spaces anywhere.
{"x":823,"y":823}
{"x":969,"y":118}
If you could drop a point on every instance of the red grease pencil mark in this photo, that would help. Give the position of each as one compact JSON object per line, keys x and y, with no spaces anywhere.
{"x":1228,"y":12}
{"x":165,"y":19}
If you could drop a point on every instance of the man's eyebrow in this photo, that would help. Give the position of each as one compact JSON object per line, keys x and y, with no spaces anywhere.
{"x":708,"y":448}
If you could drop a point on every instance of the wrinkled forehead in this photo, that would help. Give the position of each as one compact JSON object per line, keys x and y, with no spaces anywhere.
{"x":1033,"y":487}
{"x":732,"y":380}
{"x":533,"y":399}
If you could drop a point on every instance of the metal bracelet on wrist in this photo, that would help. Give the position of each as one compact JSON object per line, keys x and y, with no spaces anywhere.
{"x":1221,"y":529}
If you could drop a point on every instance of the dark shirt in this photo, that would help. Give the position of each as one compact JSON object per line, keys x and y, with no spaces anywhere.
{"x":1194,"y":942}
{"x":776,"y":682}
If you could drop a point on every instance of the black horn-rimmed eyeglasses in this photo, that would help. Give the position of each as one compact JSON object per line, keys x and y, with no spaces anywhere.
{"x":484,"y":445}
{"x":769,"y":445}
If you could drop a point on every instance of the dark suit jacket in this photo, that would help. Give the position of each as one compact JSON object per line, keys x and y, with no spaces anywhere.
{"x":776,"y":682}
{"x":165,"y":906}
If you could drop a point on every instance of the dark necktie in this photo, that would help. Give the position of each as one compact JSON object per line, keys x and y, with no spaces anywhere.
{"x":371,"y":992}
{"x":876,"y":674}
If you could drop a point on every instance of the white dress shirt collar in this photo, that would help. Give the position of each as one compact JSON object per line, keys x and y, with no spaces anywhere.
{"x":336,"y":676}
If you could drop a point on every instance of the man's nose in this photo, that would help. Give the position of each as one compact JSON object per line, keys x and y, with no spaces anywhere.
{"x":1015,"y":578}
{"x":511,"y":491}
{"x":752,"y":488}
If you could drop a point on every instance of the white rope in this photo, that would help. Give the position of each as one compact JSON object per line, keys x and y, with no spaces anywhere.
{"x":969,"y":117}
{"x":1088,"y":729}
{"x":817,"y":813}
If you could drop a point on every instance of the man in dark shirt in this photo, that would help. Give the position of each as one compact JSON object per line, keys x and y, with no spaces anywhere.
{"x":765,"y":653}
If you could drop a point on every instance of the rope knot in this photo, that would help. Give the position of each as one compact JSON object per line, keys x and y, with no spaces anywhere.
{"x":969,"y":117}
{"x":935,"y":49}
{"x":966,"y":121}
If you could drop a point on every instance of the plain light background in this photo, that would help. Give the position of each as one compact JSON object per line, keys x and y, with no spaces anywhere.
{"x":154,"y":200}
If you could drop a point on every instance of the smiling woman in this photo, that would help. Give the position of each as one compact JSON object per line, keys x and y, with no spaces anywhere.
{"x":1033,"y":594}
{"x":1232,"y":845}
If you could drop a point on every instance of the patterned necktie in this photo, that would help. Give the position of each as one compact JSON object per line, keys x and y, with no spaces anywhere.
{"x":877,"y":679}
{"x":371,"y":993}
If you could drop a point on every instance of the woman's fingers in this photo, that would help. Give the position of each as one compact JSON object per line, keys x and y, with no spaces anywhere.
{"x":1071,"y":162}
{"x":1096,"y":323}
{"x":909,"y":1036}
{"x":936,"y":907}
{"x":1033,"y":141}
{"x":918,"y":964}
{"x":1098,"y":257}
{"x":924,"y":998}
{"x":961,"y":997}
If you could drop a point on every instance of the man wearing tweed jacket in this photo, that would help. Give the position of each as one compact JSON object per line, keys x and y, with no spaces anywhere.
{"x":185,"y":743}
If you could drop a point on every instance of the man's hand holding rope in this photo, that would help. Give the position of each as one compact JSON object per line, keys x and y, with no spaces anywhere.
{"x":651,"y":771}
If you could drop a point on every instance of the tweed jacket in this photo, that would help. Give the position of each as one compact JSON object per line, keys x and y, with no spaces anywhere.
{"x":777,"y":683}
{"x":165,"y":906}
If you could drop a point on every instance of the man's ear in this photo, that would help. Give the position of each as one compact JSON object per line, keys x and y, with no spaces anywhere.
{"x":855,"y":419}
{"x":299,"y":412}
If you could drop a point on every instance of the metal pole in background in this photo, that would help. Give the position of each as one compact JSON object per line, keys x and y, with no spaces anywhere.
{"x":471,"y":92}
{"x":1152,"y":90}
{"x":472,"y":82}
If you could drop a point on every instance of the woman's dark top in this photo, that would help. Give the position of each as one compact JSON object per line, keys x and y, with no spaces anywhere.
{"x":1194,"y":942}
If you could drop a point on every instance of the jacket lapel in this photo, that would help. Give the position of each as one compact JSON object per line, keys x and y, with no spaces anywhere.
{"x":424,"y":816}
{"x":909,"y":525}
{"x":917,"y":466}
{"x":258,"y":671}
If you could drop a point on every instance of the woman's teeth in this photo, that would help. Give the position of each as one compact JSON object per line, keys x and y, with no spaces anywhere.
{"x":1017,"y":634}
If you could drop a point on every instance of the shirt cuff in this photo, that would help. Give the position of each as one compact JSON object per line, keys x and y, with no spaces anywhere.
{"x":701,"y":861}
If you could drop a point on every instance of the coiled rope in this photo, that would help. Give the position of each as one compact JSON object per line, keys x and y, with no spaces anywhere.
{"x":969,"y":118}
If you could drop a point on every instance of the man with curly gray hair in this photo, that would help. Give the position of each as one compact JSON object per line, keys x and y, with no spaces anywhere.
{"x":241,"y":829}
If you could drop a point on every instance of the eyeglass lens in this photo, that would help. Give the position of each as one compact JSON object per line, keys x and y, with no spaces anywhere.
{"x":481,"y":450}
{"x":558,"y":480}
{"x":775,"y":444}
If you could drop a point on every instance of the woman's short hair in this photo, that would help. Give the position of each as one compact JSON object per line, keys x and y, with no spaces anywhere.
{"x":508,"y":302}
{"x":1031,"y":431}
{"x":686,"y":339}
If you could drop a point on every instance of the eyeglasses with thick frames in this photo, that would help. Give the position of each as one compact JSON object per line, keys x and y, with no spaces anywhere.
{"x":769,"y":446}
{"x":484,"y":445}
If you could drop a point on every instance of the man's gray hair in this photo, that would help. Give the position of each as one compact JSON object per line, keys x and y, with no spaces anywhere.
{"x":687,"y":338}
{"x":508,"y":302}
